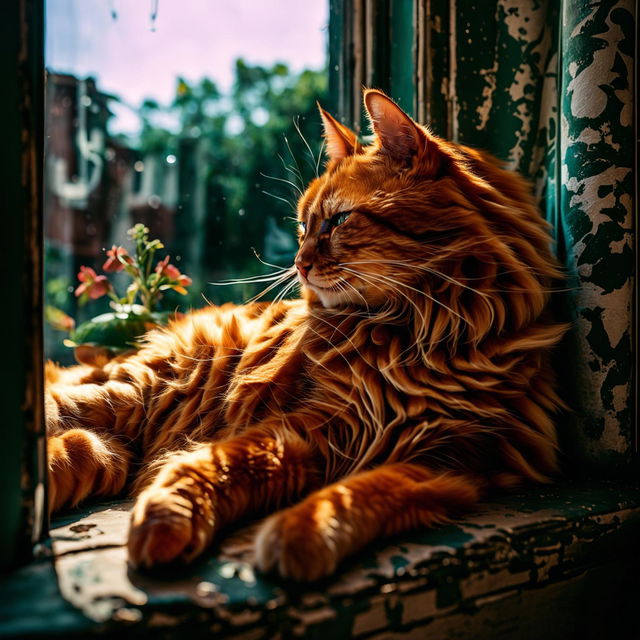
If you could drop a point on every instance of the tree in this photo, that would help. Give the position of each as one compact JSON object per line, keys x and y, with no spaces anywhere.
{"x":243,"y":158}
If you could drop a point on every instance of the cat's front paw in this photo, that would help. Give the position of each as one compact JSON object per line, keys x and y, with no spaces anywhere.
{"x":166,"y":528}
{"x":298,"y":546}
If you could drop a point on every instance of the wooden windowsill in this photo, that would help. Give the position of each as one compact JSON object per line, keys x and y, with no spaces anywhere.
{"x":576,"y":543}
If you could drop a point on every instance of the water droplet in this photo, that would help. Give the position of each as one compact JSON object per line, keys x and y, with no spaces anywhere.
{"x":139,"y":165}
{"x":240,"y":212}
{"x":86,"y":101}
{"x":171,"y":159}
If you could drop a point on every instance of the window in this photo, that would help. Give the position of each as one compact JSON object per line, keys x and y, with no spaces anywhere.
{"x":504,"y":80}
{"x":203,"y":133}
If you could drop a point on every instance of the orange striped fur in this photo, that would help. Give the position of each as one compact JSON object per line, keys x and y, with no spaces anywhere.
{"x":410,"y":379}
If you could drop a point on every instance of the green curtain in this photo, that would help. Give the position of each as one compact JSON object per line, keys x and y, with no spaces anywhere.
{"x":545,"y":85}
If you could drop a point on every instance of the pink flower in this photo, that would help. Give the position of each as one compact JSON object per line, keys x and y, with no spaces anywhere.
{"x":178,"y":280}
{"x":113,"y":263}
{"x":162,"y":265}
{"x":171,"y":272}
{"x":93,"y":285}
{"x":168,"y":270}
{"x":184,"y":280}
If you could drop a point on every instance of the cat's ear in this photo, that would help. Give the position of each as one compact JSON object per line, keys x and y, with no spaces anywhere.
{"x":398,"y":134}
{"x":340,"y":140}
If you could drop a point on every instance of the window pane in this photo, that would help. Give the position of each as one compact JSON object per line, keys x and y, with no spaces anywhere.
{"x":182,"y":117}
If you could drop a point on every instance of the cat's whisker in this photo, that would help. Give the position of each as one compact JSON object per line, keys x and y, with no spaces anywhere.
{"x":286,"y":290}
{"x":312,"y":162}
{"x":320,"y":152}
{"x":423,"y":293}
{"x":420,"y":332}
{"x":251,"y":279}
{"x":273,"y":195}
{"x":346,"y":282}
{"x":283,"y":279}
{"x":269,"y":264}
{"x":421,"y":335}
{"x":295,"y":186}
{"x":485,"y":297}
{"x":286,"y":140}
{"x":417,"y":267}
{"x":283,"y":292}
{"x":292,"y":171}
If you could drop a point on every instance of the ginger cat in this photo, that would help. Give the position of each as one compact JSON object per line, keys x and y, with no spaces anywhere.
{"x":410,"y":379}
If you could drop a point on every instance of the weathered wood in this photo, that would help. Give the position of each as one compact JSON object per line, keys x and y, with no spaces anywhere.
{"x":548,"y":561}
{"x":22,"y":461}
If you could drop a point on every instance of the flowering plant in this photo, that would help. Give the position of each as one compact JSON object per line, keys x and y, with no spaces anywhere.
{"x":147,"y":284}
{"x":133,"y":313}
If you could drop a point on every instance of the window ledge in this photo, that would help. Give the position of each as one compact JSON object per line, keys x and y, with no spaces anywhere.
{"x":554,"y":560}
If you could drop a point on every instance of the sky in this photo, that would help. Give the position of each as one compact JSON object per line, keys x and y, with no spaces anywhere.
{"x":113,"y":41}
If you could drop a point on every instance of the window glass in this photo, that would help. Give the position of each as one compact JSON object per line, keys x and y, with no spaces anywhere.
{"x":196,"y":119}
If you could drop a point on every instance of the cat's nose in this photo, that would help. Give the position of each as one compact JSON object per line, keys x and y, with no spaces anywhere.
{"x":303,"y":267}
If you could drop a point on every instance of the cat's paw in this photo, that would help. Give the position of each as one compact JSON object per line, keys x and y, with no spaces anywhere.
{"x":81,"y":464}
{"x":165,"y":528}
{"x":297,"y":546}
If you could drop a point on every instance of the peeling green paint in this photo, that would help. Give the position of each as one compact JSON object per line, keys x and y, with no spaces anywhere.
{"x":596,"y":199}
{"x":547,"y":87}
{"x":424,"y":581}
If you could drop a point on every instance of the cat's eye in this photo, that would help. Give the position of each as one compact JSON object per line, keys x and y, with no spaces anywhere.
{"x":302,"y":228}
{"x":340,"y":218}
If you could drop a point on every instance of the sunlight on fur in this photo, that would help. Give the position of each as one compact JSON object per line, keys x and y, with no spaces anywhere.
{"x":411,"y":378}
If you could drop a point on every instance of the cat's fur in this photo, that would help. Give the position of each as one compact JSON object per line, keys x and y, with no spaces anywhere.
{"x":411,"y":379}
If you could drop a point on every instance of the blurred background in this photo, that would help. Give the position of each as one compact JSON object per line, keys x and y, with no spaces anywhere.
{"x":195,"y":118}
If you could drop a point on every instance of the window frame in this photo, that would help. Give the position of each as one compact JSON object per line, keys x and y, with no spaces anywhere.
{"x":23,"y":451}
{"x":394,"y":46}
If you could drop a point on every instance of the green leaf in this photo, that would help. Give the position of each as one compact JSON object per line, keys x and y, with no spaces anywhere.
{"x":118,"y":331}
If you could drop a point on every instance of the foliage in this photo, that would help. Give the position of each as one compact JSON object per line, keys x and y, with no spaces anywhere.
{"x":255,"y":149}
{"x":120,"y":329}
{"x":240,"y":160}
{"x":147,"y":284}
